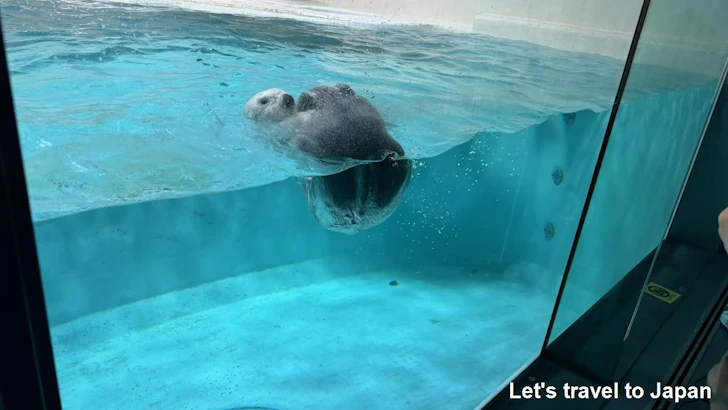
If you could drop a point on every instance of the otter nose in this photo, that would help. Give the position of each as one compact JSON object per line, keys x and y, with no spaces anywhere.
{"x":288,"y":100}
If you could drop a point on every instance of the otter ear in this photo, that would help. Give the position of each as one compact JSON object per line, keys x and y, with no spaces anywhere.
{"x":305,"y":102}
{"x":345,"y":89}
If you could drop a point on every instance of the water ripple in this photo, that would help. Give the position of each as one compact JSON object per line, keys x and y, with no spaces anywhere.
{"x":120,"y":103}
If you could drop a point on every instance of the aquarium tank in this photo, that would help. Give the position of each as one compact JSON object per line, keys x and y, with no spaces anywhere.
{"x":328,"y":204}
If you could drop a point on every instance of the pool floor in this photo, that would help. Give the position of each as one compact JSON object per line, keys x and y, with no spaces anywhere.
{"x":443,"y":338}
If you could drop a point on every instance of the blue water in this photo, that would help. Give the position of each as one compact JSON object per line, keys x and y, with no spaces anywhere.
{"x":240,"y":299}
{"x":120,"y":103}
{"x":216,"y":297}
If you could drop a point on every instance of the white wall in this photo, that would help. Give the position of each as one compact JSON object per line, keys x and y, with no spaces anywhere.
{"x":674,"y":28}
{"x":605,"y":15}
{"x":611,"y":15}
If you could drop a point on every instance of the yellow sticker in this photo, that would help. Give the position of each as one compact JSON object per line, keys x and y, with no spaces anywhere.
{"x":660,"y":292}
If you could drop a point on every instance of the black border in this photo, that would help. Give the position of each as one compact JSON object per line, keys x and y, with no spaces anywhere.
{"x":28,"y":377}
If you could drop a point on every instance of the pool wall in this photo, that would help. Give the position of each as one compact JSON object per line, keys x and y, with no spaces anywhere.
{"x":673,"y":27}
{"x":678,"y":34}
{"x":483,"y":205}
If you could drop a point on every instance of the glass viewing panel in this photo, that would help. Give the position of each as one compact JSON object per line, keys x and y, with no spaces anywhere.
{"x":397,"y":242}
{"x":680,"y":57}
{"x":705,"y":30}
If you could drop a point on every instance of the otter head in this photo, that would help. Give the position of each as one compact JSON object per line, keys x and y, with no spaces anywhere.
{"x":273,"y":105}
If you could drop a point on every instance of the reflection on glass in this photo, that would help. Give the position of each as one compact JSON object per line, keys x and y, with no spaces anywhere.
{"x":191,"y":250}
{"x":652,"y":145}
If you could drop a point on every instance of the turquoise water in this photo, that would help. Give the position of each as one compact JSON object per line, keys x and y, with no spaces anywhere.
{"x":120,"y":103}
{"x":223,"y":292}
{"x":241,"y":299}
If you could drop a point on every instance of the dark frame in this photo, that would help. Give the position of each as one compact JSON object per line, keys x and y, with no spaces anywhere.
{"x":28,"y":380}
